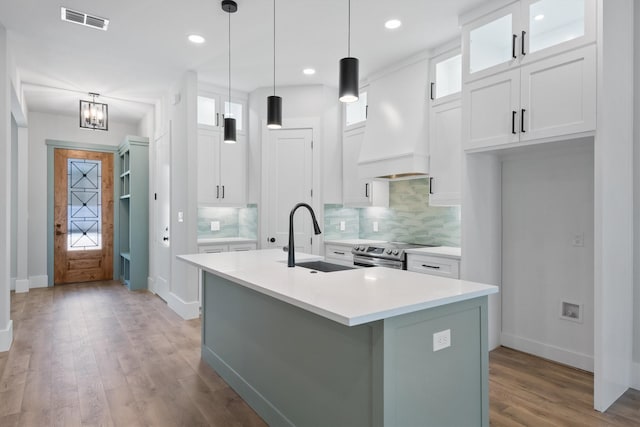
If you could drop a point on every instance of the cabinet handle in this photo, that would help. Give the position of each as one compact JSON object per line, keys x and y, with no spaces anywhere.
{"x":513,"y":46}
{"x":217,"y":119}
{"x":217,"y":191}
{"x":366,"y":111}
{"x":223,"y":191}
{"x":522,"y":120}
{"x":431,"y":185}
{"x":338,"y":253}
{"x":272,"y":239}
{"x":366,"y":190}
{"x":522,"y":44}
{"x":513,"y":122}
{"x":435,"y":267}
{"x":431,"y":91}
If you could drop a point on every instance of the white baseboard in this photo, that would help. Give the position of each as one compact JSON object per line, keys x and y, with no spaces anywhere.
{"x":151,"y":285}
{"x":547,"y":351}
{"x":38,"y":281}
{"x":186,"y":310}
{"x":6,"y":337}
{"x":22,"y":285}
{"x":635,"y":375}
{"x":12,"y":284}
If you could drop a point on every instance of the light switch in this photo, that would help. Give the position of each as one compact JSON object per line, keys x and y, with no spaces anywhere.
{"x":343,"y":225}
{"x":180,"y":216}
{"x":375,"y":226}
{"x":215,"y":225}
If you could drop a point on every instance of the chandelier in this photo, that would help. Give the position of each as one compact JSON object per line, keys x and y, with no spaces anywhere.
{"x":94,"y":115}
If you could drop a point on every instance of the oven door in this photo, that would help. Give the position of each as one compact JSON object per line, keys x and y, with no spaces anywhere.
{"x":367,"y":261}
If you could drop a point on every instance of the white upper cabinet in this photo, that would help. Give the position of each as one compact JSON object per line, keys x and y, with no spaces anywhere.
{"x":356,"y":191}
{"x":524,"y":32}
{"x":213,"y":108}
{"x":446,"y":77}
{"x":355,"y":113}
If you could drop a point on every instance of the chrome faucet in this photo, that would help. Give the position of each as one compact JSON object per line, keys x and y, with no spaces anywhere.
{"x":291,"y":260}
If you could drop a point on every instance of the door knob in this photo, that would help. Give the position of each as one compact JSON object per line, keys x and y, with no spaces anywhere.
{"x":166,"y":239}
{"x":272,"y":239}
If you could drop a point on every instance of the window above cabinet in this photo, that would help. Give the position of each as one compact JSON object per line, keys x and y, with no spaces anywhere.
{"x":210,"y":107}
{"x":446,"y":74}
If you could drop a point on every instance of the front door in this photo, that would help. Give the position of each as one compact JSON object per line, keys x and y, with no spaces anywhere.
{"x":83,"y":216}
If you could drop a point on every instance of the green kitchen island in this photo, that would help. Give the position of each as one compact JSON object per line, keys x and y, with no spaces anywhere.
{"x":347,"y":348}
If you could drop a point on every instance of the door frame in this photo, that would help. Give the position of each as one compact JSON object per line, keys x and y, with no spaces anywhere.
{"x":52,"y":144}
{"x":312,"y":123}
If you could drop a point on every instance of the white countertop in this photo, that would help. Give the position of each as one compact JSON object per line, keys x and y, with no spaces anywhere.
{"x":223,"y":240}
{"x":350,"y":297}
{"x":443,"y":251}
{"x":353,"y":242}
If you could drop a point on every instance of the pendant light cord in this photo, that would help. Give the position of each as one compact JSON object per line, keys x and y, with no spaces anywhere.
{"x":349,"y":31}
{"x":274,"y":47}
{"x":229,"y":60}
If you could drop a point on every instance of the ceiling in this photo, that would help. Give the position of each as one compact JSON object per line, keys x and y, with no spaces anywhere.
{"x":145,"y":50}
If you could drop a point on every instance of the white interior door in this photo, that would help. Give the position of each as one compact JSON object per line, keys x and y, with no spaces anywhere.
{"x":289,"y":177}
{"x":163,"y":216}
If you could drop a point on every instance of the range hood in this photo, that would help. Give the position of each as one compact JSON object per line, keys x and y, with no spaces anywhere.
{"x":396,"y":135}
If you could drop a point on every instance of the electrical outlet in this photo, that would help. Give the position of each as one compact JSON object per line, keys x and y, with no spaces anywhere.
{"x":578,"y":240}
{"x":375,"y":226}
{"x":442,"y":340}
{"x":343,"y":225}
{"x":215,"y":225}
{"x":180,"y":216}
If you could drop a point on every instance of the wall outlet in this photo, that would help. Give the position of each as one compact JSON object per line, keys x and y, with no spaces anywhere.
{"x":215,"y":225}
{"x":343,"y":225}
{"x":578,"y":240}
{"x":442,"y":340}
{"x":180,"y":216}
{"x":375,"y":226}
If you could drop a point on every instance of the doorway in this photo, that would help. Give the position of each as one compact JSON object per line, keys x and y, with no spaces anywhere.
{"x":83,"y":214}
{"x":288,"y":173}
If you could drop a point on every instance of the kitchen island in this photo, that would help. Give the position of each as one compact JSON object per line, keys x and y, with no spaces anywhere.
{"x":346,"y":348}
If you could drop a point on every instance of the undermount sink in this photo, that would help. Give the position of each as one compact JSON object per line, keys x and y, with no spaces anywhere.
{"x":325,"y":267}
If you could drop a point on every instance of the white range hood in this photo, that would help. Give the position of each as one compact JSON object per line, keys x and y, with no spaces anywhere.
{"x":396,"y":135}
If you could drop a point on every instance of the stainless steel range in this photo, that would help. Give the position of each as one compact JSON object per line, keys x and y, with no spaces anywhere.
{"x":389,"y":254}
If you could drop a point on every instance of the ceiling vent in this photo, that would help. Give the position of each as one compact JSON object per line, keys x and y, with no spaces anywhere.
{"x":83,"y":19}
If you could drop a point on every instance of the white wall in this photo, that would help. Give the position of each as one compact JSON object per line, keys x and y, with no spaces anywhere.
{"x":300,"y":102}
{"x":547,"y":199}
{"x":636,"y":205}
{"x":14,"y":202}
{"x":63,"y":128}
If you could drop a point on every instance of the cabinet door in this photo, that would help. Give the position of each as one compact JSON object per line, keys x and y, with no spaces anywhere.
{"x":559,"y":95}
{"x":446,"y":77}
{"x":446,"y":154}
{"x":355,"y":113}
{"x":356,"y":191}
{"x":551,"y":26}
{"x":209,"y":111}
{"x":490,"y":43}
{"x":208,"y":172}
{"x":233,"y":172}
{"x":491,"y":113}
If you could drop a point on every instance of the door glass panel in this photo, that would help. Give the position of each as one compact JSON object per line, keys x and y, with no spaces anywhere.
{"x":448,"y":76}
{"x":490,"y":44}
{"x":234,"y":110}
{"x":84,"y":217}
{"x":356,"y":112}
{"x":206,"y":111}
{"x":552,"y":22}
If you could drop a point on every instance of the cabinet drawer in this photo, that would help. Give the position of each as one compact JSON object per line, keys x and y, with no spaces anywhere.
{"x":240,"y":247}
{"x":338,"y":253}
{"x":434,"y":265}
{"x":213,"y":249}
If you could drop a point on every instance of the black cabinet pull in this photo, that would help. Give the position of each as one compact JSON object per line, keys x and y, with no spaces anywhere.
{"x":513,"y":46}
{"x":513,"y":122}
{"x":223,"y":191}
{"x":217,"y":119}
{"x":217,"y":191}
{"x":431,"y":91}
{"x":272,"y":239}
{"x":338,"y":253}
{"x":522,"y":44}
{"x":522,"y":120}
{"x":366,"y":111}
{"x":366,"y":190}
{"x":435,"y":267}
{"x":431,"y":185}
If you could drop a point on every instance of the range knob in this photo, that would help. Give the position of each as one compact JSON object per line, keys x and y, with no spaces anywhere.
{"x":389,"y":251}
{"x":396,"y":252}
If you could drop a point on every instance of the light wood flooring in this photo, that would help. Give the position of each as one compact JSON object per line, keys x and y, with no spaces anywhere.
{"x":97,"y":354}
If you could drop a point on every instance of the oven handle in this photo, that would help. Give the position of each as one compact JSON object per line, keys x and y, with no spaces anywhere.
{"x":361,"y":261}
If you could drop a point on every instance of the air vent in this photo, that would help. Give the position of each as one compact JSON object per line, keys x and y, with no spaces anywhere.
{"x":83,"y":19}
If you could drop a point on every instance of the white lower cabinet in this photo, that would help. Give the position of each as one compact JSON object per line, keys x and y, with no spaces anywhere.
{"x":338,"y":254}
{"x":434,"y":265}
{"x":445,"y":163}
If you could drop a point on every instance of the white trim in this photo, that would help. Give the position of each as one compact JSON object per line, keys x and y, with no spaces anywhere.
{"x":547,"y":351}
{"x":186,"y":310}
{"x":6,"y":337}
{"x":22,"y":285}
{"x":635,"y":375}
{"x":38,"y":281}
{"x":12,"y":284}
{"x":151,"y":285}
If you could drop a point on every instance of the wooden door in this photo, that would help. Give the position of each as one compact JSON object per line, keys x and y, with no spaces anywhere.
{"x":83,"y":216}
{"x":289,"y":181}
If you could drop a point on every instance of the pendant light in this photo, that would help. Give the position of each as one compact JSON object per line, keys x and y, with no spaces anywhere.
{"x":230,"y":7}
{"x":349,"y":80}
{"x":94,"y":115}
{"x":274,"y":103}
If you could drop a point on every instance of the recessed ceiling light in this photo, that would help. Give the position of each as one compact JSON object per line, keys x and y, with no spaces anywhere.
{"x":539,"y":17}
{"x":392,"y":24}
{"x":309,"y":71}
{"x":194,"y":38}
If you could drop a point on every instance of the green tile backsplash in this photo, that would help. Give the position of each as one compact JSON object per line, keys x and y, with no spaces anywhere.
{"x":234,"y":222}
{"x":409,"y":218}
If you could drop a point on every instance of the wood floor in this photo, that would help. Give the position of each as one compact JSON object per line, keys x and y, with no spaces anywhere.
{"x":99,"y":355}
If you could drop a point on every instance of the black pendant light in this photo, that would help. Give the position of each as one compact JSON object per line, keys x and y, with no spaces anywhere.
{"x":349,"y":79}
{"x":230,"y":7}
{"x":274,"y":103}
